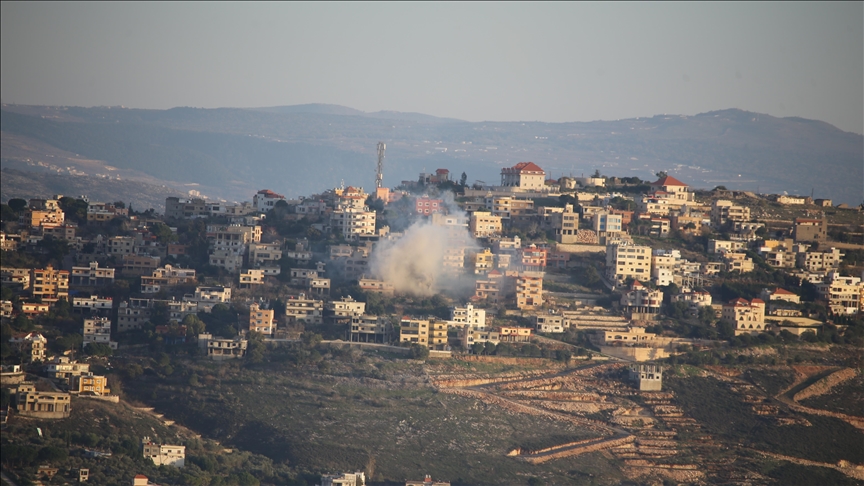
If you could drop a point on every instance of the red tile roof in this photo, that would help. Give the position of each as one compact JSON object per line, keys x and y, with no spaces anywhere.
{"x":783,"y":291}
{"x":668,"y":181}
{"x":527,"y":166}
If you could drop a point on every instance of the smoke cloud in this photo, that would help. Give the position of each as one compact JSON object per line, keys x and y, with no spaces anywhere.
{"x":415,"y":263}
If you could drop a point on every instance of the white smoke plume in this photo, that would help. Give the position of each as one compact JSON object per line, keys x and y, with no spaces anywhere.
{"x":414,"y":263}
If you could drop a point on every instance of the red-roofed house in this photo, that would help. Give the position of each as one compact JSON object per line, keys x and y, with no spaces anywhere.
{"x":675,"y":190}
{"x":526,"y":176}
{"x":747,"y":317}
{"x":265,"y":199}
{"x":780,"y":294}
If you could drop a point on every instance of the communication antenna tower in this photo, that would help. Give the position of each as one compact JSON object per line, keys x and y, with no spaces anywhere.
{"x":379,"y":176}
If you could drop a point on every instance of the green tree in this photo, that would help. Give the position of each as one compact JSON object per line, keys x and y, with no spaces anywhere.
{"x":98,"y":349}
{"x":194,"y":325}
{"x":463,"y":180}
{"x":17,"y":204}
{"x":419,"y":351}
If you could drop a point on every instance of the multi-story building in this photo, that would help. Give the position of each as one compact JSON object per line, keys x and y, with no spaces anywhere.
{"x":816,"y":261}
{"x":232,"y":236}
{"x":533,"y":259}
{"x":209,"y":297}
{"x":121,"y":245}
{"x":529,"y":290}
{"x":548,"y":323}
{"x":176,"y":207}
{"x":779,"y":294}
{"x":484,"y":225}
{"x":490,"y":288}
{"x":222,"y":349}
{"x":15,"y":277}
{"x":737,"y":262}
{"x":748,"y":317}
{"x":425,"y":206}
{"x":468,"y":336}
{"x":627,"y":261}
{"x":92,"y":304}
{"x":694,"y":300}
{"x":514,"y":334}
{"x":566,"y":225}
{"x":264,"y":254}
{"x":163,"y":454}
{"x":165,"y":278}
{"x":140,"y":265}
{"x":469,"y":316}
{"x":648,"y":377}
{"x":265,"y":200}
{"x":98,"y":331}
{"x":353,"y":223}
{"x":92,"y":276}
{"x":378,"y":286}
{"x":251,"y":277}
{"x":844,"y":295}
{"x":370,"y":329}
{"x":346,"y":307}
{"x":261,"y":320}
{"x":31,"y":344}
{"x":810,"y":230}
{"x":62,"y":368}
{"x":43,"y":213}
{"x":89,"y":384}
{"x":414,"y":331}
{"x":676,"y":192}
{"x":524,"y":176}
{"x":641,"y":300}
{"x":481,"y":261}
{"x":133,"y":313}
{"x":48,"y":284}
{"x":723,"y":211}
{"x":43,"y":405}
{"x":304,"y":309}
{"x":606,"y":223}
{"x":346,"y":479}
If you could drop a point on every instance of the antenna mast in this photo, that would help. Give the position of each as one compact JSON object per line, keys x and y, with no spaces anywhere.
{"x":379,"y":176}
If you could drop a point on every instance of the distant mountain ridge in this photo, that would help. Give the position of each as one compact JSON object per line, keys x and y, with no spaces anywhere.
{"x":303,"y":149}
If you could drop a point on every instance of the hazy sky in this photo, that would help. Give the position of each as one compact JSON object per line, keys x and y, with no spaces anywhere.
{"x":475,"y":61}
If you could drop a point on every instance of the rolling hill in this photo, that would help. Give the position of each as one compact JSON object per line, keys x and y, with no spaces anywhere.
{"x":298,"y":150}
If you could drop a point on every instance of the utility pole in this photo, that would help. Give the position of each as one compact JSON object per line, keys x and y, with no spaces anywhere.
{"x":379,"y":176}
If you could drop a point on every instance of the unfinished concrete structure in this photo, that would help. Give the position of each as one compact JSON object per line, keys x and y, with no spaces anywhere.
{"x":648,"y":377}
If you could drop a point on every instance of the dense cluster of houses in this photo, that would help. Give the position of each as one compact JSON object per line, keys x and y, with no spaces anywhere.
{"x":504,"y":271}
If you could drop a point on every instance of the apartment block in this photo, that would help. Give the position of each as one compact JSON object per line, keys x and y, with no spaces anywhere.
{"x":261,"y":320}
{"x":307,"y":310}
{"x":163,"y":454}
{"x":48,"y":284}
{"x":627,"y":261}
{"x":98,"y":331}
{"x":92,"y":276}
{"x":370,"y":329}
{"x":748,"y":317}
{"x":414,"y":331}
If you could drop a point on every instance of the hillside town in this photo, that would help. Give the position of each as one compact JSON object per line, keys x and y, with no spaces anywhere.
{"x":613,"y":269}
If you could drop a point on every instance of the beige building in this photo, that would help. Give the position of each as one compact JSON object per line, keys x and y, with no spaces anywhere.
{"x":346,"y":479}
{"x":89,"y":384}
{"x":31,"y":344}
{"x":264,"y":254}
{"x":62,"y":368}
{"x":163,"y":454}
{"x":641,"y":300}
{"x":748,"y":317}
{"x":165,"y":278}
{"x":816,"y":261}
{"x":724,"y":246}
{"x":98,"y":331}
{"x":737,"y":262}
{"x":482,"y":261}
{"x":352,"y":223}
{"x":844,"y":295}
{"x":483,"y":224}
{"x":15,"y":277}
{"x":48,"y":284}
{"x":304,"y":309}
{"x":140,"y":264}
{"x":524,"y":176}
{"x":92,"y":275}
{"x":566,"y":225}
{"x":43,"y":405}
{"x":251,"y":277}
{"x":625,"y":260}
{"x":370,"y":329}
{"x":346,"y":307}
{"x":222,"y":349}
{"x":261,"y":320}
{"x":529,"y":290}
{"x":378,"y":286}
{"x":414,"y":331}
{"x":723,"y":211}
